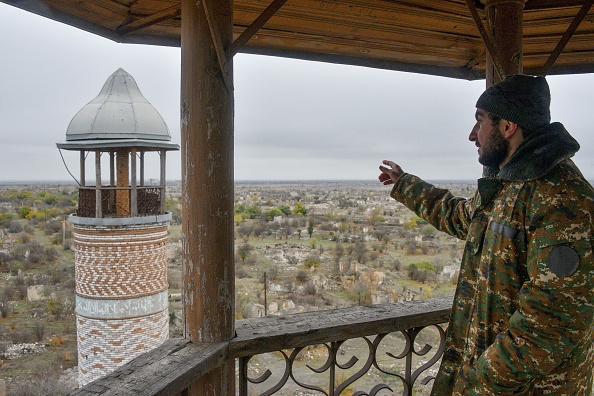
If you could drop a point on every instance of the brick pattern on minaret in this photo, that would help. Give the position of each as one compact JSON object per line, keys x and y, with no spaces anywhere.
{"x":121,"y":288}
{"x":105,"y":345}
{"x":123,"y":262}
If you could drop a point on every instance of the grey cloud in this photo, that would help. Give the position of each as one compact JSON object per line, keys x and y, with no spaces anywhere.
{"x":293,"y":119}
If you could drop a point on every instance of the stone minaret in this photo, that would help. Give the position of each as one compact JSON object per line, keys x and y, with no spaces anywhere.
{"x":120,"y":229}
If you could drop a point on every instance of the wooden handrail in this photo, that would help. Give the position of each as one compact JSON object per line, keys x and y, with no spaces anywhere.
{"x":273,"y":333}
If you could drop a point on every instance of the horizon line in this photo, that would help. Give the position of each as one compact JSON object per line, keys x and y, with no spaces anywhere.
{"x":70,"y":182}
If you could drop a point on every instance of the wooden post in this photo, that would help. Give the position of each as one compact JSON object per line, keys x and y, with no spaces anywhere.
{"x":207,"y":187}
{"x":265,"y":299}
{"x":122,"y":193}
{"x":98,"y":207}
{"x":133,"y":186}
{"x":505,"y":22}
{"x":112,"y":168}
{"x":82,"y":168}
{"x":142,"y":168}
{"x":162,"y":180}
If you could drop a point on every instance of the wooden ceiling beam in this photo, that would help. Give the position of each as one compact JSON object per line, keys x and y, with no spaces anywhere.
{"x":248,"y":33}
{"x":168,"y":13}
{"x":111,"y":5}
{"x":390,"y":50}
{"x":546,"y":4}
{"x":566,"y":37}
{"x":440,"y":37}
{"x":434,"y":70}
{"x":476,"y":60}
{"x":563,"y":70}
{"x":486,"y":38}
{"x":358,"y":18}
{"x":532,"y":5}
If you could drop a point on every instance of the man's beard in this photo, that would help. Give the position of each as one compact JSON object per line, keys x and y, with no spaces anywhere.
{"x":495,"y":150}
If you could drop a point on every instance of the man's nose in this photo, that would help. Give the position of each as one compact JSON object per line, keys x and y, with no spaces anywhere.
{"x":472,"y":136}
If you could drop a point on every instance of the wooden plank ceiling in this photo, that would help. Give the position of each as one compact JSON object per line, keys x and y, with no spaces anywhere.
{"x":436,"y":37}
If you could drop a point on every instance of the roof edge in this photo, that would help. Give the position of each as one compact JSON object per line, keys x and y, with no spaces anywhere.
{"x":60,"y":16}
{"x":117,"y":136}
{"x":461,"y":73}
{"x":118,"y":143}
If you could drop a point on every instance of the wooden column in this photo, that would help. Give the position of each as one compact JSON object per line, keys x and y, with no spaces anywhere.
{"x":133,"y":185}
{"x":82,"y":168}
{"x":207,"y":186}
{"x":98,"y":208}
{"x":505,"y":21}
{"x":142,"y":168}
{"x":122,"y":195}
{"x":112,"y":168}
{"x":162,"y":181}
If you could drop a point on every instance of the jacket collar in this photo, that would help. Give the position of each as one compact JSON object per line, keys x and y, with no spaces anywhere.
{"x":537,"y":154}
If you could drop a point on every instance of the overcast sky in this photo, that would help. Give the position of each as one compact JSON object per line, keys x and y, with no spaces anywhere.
{"x":294,"y":120}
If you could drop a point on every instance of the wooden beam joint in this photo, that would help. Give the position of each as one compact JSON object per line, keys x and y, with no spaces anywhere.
{"x":226,"y":55}
{"x":218,"y":44}
{"x":153,"y":19}
{"x":566,"y":37}
{"x":487,"y":39}
{"x":251,"y":30}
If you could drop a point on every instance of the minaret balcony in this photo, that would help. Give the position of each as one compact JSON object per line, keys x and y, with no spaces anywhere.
{"x":119,"y":202}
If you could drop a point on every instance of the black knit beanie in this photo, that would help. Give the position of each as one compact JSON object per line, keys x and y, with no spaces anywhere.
{"x":522,"y":99}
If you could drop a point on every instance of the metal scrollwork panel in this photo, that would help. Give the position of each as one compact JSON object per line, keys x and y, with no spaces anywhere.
{"x":422,"y":349}
{"x":384,"y":364}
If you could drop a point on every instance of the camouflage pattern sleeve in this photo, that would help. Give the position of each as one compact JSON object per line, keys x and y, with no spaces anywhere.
{"x":553,"y":324}
{"x":435,"y":205}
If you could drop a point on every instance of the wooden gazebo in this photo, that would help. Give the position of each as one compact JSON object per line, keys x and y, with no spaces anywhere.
{"x":464,"y":39}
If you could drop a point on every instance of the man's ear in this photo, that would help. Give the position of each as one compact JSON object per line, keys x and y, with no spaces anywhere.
{"x":510,"y":129}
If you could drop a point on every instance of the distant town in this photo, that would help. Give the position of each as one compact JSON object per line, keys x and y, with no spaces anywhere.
{"x":299,"y":246}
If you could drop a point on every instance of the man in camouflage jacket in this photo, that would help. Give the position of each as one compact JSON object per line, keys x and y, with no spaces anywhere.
{"x":522,"y":318}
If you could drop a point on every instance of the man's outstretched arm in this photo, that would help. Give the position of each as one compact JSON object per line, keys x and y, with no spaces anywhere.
{"x":435,"y":205}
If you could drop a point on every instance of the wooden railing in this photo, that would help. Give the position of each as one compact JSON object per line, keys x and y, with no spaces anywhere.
{"x":174,"y":366}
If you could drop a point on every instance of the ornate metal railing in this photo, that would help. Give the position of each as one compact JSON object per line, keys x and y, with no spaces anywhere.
{"x":410,"y":333}
{"x":148,"y":201}
{"x":334,"y":376}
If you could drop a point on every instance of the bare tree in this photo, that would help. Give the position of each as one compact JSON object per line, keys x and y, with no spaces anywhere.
{"x":361,"y":291}
{"x":7,"y":293}
{"x":22,"y":289}
{"x":310,"y":289}
{"x":243,"y":251}
{"x":338,"y":253}
{"x":302,"y":276}
{"x":38,"y":329}
{"x":361,"y":252}
{"x":5,"y":307}
{"x":287,"y":228}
